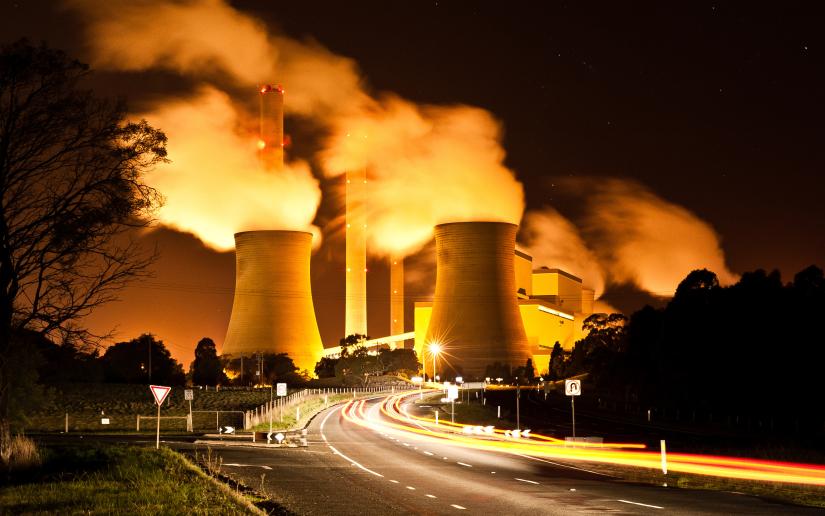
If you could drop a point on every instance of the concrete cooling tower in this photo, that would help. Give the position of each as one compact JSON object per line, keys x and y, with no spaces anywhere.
{"x":272,"y":311}
{"x":475,"y":317}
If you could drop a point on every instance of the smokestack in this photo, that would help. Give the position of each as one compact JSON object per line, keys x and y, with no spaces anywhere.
{"x":475,"y":317}
{"x":272,"y":311}
{"x":271,"y":137}
{"x":396,"y":295}
{"x":356,"y":302}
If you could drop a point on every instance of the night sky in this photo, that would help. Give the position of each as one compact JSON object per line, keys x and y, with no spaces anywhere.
{"x":717,"y":107}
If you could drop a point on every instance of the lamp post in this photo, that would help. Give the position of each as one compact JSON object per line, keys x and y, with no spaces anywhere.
{"x":435,"y":349}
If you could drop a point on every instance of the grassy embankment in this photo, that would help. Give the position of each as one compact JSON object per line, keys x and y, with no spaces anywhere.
{"x":477,"y":414}
{"x":86,"y":404}
{"x":116,"y":479}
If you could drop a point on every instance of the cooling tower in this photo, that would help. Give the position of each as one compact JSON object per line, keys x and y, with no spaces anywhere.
{"x":272,"y":311}
{"x":475,"y":317}
{"x":271,"y":137}
{"x":355,"y":320}
{"x":396,"y":295}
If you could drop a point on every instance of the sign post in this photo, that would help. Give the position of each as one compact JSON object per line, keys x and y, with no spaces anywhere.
{"x":452,"y":394}
{"x":280,"y":391}
{"x":573,"y":388}
{"x":189,"y":395}
{"x":159,"y":392}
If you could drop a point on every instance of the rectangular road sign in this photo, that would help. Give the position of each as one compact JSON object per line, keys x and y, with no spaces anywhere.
{"x":452,"y":392}
{"x":188,"y":395}
{"x":573,"y":387}
{"x":159,"y":392}
{"x":280,"y":389}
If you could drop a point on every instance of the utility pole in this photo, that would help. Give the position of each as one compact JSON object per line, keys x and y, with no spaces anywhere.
{"x":518,"y":395}
{"x":241,"y":369}
{"x":149,"y":342}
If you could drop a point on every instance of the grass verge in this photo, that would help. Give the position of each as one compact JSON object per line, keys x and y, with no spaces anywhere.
{"x":104,"y":478}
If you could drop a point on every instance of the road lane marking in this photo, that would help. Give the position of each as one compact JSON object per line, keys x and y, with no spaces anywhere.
{"x":642,"y":504}
{"x":405,"y":444}
{"x":411,"y":488}
{"x":528,"y":481}
{"x":394,"y":481}
{"x":562,"y":465}
{"x":246,"y":465}
{"x":431,"y":496}
{"x":464,"y":464}
{"x":458,"y":507}
{"x":334,"y":450}
{"x":428,"y":453}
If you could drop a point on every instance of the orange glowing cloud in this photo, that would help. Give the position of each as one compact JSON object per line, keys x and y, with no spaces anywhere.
{"x":642,"y":239}
{"x":426,"y":165}
{"x":214,"y":185}
{"x":553,"y":241}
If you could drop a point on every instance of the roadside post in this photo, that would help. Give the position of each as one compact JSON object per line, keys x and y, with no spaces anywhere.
{"x":159,"y":392}
{"x":664,"y":457}
{"x":280,"y":391}
{"x":573,"y":388}
{"x":452,"y":394}
{"x":189,"y":395}
{"x":518,"y":408}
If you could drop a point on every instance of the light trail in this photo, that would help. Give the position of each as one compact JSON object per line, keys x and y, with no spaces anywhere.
{"x":387,"y":417}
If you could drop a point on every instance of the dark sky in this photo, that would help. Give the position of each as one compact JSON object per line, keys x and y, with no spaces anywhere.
{"x":718,"y":107}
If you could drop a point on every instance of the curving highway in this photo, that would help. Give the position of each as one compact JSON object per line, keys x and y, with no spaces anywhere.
{"x":383,"y":456}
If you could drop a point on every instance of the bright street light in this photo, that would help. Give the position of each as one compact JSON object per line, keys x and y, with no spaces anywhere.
{"x":435,"y":349}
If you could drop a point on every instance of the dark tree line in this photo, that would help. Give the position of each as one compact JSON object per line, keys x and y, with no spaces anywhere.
{"x":754,"y":349}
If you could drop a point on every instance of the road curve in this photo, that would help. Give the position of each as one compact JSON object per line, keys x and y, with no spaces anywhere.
{"x":349,"y":469}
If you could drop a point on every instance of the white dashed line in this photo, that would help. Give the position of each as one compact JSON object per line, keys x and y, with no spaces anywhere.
{"x":411,"y":488}
{"x":428,"y":453}
{"x":458,"y":507}
{"x":445,"y":458}
{"x":394,"y":481}
{"x":642,"y":504}
{"x":431,"y":496}
{"x":492,"y":472}
{"x":528,"y":481}
{"x":405,"y":444}
{"x":464,"y":464}
{"x":331,"y":447}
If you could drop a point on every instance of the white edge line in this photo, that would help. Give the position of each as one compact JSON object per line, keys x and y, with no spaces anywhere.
{"x":529,"y":481}
{"x":341,"y":454}
{"x":562,"y":465}
{"x":642,"y":504}
{"x":465,"y":464}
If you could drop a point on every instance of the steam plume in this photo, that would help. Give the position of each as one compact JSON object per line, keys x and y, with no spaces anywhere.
{"x":426,"y":165}
{"x":214,"y":185}
{"x":643,"y":239}
{"x":554,"y":241}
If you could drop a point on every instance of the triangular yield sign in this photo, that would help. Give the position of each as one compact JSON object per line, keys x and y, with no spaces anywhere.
{"x":159,"y":392}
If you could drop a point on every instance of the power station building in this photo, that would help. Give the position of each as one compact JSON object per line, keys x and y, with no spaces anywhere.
{"x":491,"y":305}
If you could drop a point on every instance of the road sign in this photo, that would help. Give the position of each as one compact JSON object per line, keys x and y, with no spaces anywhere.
{"x":188,"y":395}
{"x":573,"y":387}
{"x":104,"y":421}
{"x":452,"y":392}
{"x":226,"y":430}
{"x":159,"y":392}
{"x":280,"y":389}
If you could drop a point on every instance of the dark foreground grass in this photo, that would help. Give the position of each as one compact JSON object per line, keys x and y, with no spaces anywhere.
{"x":116,"y":479}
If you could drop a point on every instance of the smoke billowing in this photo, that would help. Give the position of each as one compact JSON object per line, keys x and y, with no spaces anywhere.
{"x":555,"y":242}
{"x":626,"y":235}
{"x":215,"y":186}
{"x":426,"y":165}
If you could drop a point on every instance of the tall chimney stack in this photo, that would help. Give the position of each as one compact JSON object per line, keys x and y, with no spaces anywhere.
{"x":396,"y":295}
{"x":475,"y":318}
{"x":355,"y":321}
{"x":271,"y":137}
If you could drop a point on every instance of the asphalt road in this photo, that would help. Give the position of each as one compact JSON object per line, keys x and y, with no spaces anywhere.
{"x":351,"y":470}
